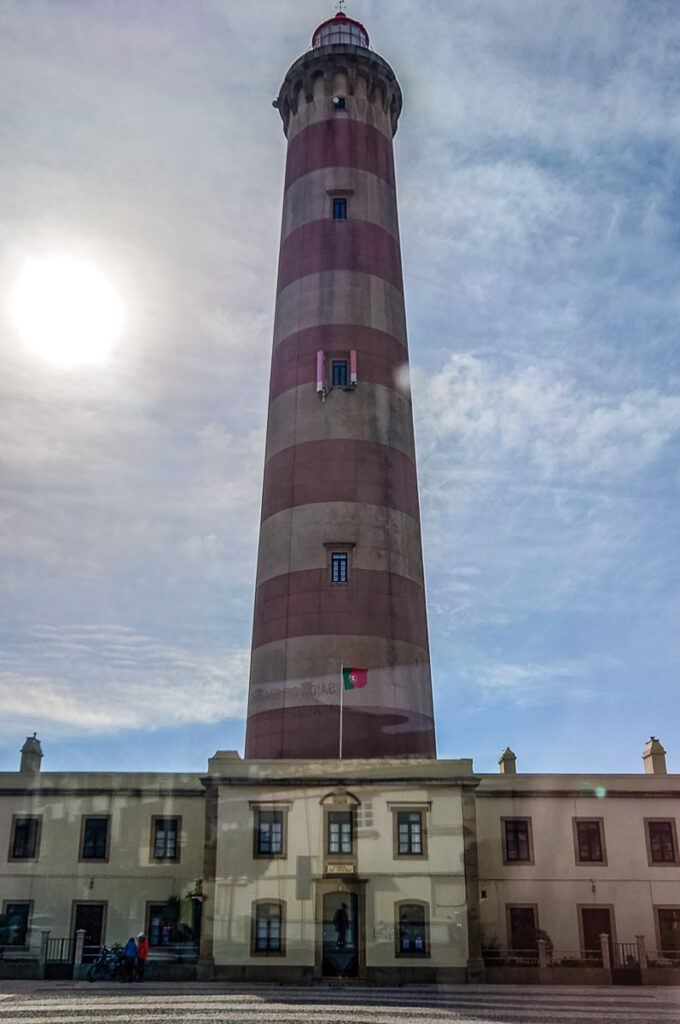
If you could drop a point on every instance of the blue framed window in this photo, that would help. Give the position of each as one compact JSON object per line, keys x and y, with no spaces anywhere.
{"x":339,"y":208}
{"x":339,"y":562}
{"x":267,"y":924}
{"x":339,"y":373}
{"x":269,"y":833}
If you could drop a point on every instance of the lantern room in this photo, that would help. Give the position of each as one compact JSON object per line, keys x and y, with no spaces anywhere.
{"x":340,"y":30}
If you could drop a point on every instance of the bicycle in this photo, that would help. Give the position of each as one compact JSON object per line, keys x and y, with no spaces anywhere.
{"x":110,"y":965}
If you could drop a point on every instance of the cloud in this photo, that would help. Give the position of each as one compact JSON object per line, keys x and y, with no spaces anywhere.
{"x":535,"y":685}
{"x":477,"y":413}
{"x":79,"y":678}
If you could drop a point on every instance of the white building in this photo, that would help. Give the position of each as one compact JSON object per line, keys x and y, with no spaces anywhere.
{"x":445,"y":875}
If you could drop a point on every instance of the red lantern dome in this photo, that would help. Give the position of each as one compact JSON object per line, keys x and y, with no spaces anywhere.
{"x":340,"y":29}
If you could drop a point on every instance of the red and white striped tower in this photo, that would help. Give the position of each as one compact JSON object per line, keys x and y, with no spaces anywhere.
{"x":340,"y":573}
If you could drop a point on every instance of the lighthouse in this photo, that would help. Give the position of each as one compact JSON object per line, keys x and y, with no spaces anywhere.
{"x":340,"y":657}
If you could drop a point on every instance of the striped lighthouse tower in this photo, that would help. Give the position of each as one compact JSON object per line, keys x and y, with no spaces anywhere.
{"x":340,"y":573}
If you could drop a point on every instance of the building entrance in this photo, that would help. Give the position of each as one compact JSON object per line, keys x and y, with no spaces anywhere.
{"x":340,"y":935}
{"x":596,"y":921}
{"x":89,"y":917}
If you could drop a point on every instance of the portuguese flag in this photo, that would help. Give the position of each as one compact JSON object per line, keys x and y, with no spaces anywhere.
{"x":354,"y":678}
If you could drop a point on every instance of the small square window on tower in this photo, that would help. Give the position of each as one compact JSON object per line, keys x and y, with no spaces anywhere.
{"x":339,"y":566}
{"x":339,"y":208}
{"x":339,"y":103}
{"x":339,"y":373}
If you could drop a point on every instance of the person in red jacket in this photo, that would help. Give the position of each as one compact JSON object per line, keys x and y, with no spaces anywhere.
{"x":142,"y":954}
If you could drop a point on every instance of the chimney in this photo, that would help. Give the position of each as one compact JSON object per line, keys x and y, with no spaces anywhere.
{"x":508,"y":762}
{"x":654,"y":757}
{"x":31,"y":755}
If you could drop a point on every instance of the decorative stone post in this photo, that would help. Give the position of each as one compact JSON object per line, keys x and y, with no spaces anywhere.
{"x":642,"y":951}
{"x":78,"y":954}
{"x":606,"y":951}
{"x":42,"y":960}
{"x":542,"y":953}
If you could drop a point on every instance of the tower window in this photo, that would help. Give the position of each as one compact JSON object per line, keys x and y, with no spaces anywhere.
{"x":340,"y":208}
{"x":339,"y":102}
{"x":339,"y":567}
{"x":339,"y":373}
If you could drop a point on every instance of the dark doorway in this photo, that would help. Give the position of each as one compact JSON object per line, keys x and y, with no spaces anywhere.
{"x":596,"y":921}
{"x":90,"y":917}
{"x":669,"y":933}
{"x":340,"y":935}
{"x":523,"y":931}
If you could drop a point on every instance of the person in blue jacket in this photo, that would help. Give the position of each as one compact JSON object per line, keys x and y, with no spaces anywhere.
{"x":130,"y":954}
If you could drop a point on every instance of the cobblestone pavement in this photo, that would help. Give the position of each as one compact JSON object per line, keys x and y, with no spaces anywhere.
{"x":80,"y":1003}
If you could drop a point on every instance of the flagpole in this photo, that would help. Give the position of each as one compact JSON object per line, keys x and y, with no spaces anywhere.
{"x":342,"y":689}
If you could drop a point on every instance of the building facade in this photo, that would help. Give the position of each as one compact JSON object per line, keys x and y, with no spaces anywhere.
{"x":109,"y":854}
{"x":352,"y":869}
{"x":446,"y":875}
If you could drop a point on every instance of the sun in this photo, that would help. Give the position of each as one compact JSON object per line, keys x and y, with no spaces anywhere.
{"x":66,"y":311}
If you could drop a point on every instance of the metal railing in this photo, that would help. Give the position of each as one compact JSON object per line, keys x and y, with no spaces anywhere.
{"x":663,"y":958}
{"x":60,"y":951}
{"x":625,"y":954}
{"x":619,"y":956}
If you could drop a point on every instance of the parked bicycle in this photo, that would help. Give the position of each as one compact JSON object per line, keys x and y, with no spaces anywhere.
{"x":110,"y":966}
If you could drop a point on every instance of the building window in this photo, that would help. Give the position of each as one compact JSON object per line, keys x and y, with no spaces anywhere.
{"x":589,"y":841}
{"x":340,"y":208}
{"x":267,"y":928}
{"x":662,"y":843}
{"x":165,"y":837}
{"x":339,"y":103}
{"x":410,"y":834}
{"x":25,"y":839}
{"x":157,"y":932}
{"x":340,"y":838}
{"x":339,"y":562}
{"x":95,"y":839}
{"x":522,"y":932}
{"x":517,"y":841}
{"x":14,"y":924}
{"x":412,"y":929}
{"x":270,"y":833}
{"x":668,"y":919}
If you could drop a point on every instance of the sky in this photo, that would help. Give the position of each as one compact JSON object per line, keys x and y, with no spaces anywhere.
{"x":537,"y":158}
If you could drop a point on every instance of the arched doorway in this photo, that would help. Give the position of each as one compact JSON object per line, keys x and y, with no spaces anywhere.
{"x":340,"y":931}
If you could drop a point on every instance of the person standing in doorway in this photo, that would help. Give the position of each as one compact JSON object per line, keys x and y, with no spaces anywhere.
{"x":340,"y":923}
{"x":142,"y":954}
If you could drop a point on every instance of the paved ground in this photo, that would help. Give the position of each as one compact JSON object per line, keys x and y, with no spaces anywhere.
{"x":106,"y":1003}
